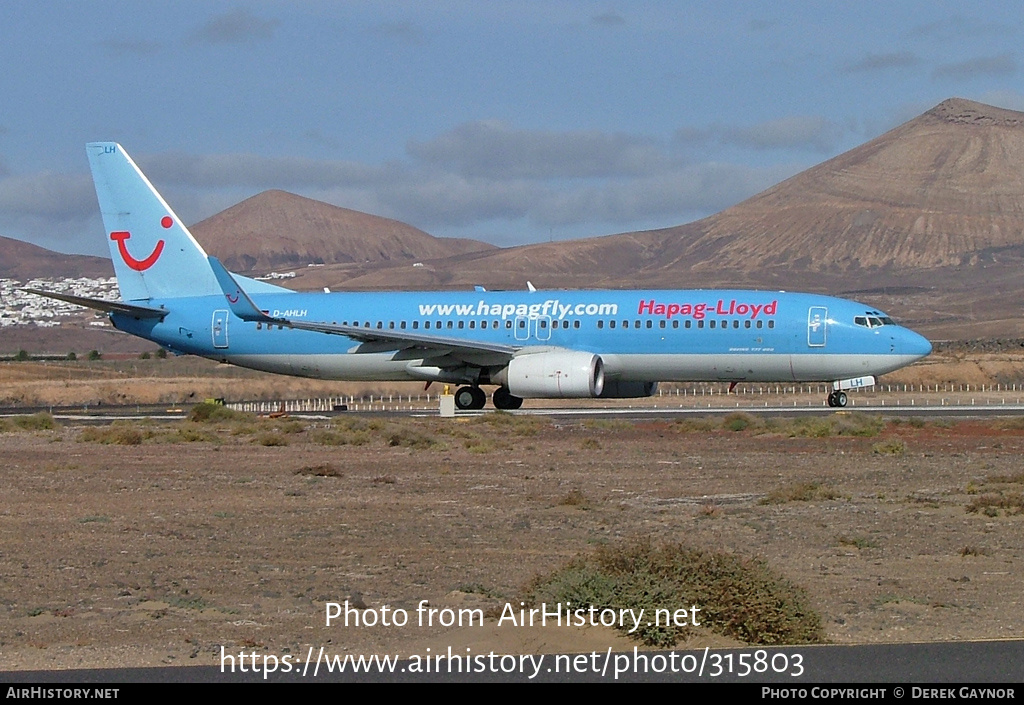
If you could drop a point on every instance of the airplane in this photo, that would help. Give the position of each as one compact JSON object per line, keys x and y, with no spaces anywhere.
{"x":531,"y":344}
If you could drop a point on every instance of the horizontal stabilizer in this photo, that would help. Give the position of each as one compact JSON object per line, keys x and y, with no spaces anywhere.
{"x":104,"y":305}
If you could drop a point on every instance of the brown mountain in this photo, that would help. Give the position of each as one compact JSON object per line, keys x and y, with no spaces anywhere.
{"x":23,"y":261}
{"x":942,"y":190}
{"x":925,"y":221}
{"x":932,"y":192}
{"x":279,"y":230}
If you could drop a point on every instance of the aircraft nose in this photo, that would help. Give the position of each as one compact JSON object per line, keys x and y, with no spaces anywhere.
{"x":912,"y":343}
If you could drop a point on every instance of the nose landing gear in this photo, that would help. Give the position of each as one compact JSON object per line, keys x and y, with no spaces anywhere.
{"x":837,"y":399}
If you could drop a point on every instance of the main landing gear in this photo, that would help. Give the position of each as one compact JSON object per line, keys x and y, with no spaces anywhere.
{"x":504,"y":399}
{"x":470,"y":398}
{"x":473,"y":398}
{"x":837,"y":399}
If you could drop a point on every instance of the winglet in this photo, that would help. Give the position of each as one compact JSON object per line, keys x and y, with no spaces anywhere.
{"x":239,"y":301}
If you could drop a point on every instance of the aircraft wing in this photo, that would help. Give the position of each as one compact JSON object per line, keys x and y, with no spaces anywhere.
{"x":103,"y":304}
{"x":374,"y":339}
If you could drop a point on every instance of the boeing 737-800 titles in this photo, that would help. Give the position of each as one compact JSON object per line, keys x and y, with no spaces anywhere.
{"x":530,"y":344}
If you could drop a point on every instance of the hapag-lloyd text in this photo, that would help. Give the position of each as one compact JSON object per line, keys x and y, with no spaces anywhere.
{"x":702,"y":310}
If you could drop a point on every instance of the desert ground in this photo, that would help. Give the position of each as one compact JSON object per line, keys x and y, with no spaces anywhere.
{"x":151,"y":543}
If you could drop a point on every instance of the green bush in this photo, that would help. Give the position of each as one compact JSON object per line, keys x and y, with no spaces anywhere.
{"x":212,"y":413}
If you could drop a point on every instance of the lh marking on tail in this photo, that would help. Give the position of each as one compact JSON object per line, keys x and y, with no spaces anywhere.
{"x":139,"y":265}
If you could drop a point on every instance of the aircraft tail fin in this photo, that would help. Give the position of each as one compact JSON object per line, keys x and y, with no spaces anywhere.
{"x":154,"y":254}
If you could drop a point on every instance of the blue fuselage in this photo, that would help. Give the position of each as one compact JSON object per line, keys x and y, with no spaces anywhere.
{"x":651,"y":335}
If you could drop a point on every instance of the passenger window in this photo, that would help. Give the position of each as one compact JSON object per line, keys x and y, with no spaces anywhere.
{"x":636,"y":324}
{"x":771,"y":324}
{"x":403,"y":325}
{"x":688,"y":323}
{"x":650,"y":323}
{"x":661,"y":324}
{"x":760,"y":324}
{"x":508,"y":324}
{"x":426,"y":324}
{"x":462,"y":324}
{"x":600,"y":324}
{"x":575,"y":324}
{"x":415,"y":325}
{"x":700,"y":324}
{"x":736,"y":324}
{"x":712,"y":324}
{"x":611,"y":324}
{"x":746,"y":324}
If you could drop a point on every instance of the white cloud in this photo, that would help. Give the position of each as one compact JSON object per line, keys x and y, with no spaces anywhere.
{"x":797,"y":132}
{"x":494,"y":149}
{"x":999,"y":65}
{"x":235,"y":27}
{"x":883,"y":62}
{"x":1011,"y":100}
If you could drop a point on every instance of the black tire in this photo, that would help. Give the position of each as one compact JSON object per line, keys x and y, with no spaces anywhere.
{"x":841,"y":400}
{"x":470,"y":398}
{"x":505,"y":400}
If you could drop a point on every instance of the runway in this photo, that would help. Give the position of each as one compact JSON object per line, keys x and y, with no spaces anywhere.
{"x":110,"y":413}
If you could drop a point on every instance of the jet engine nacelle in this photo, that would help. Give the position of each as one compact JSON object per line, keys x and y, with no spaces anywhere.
{"x":614,"y":389}
{"x":554,"y":375}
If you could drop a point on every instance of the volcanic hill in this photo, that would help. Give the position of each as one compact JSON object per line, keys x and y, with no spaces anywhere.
{"x":24,"y":261}
{"x":932,"y":192}
{"x":280,"y":230}
{"x":945,"y":189}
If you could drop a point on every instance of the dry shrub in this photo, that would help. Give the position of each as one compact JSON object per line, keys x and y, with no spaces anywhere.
{"x":738,"y":597}
{"x":800,"y":492}
{"x":319,"y":470}
{"x":118,"y":433}
{"x":893,"y":446}
{"x":991,"y":503}
{"x":575,"y":498}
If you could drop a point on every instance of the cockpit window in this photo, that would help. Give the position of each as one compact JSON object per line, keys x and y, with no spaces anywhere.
{"x":873,"y":319}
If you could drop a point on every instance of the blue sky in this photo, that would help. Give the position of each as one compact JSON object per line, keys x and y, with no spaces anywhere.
{"x":510,"y":122}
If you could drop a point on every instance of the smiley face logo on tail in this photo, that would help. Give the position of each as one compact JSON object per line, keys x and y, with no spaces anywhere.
{"x":139,"y":265}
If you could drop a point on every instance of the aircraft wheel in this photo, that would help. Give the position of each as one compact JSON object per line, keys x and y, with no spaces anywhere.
{"x":505,"y":400}
{"x":470,"y":398}
{"x":837,"y":399}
